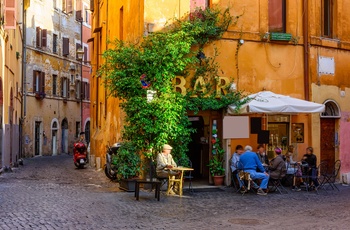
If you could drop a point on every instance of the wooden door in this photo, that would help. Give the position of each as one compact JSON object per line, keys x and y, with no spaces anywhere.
{"x":327,"y":140}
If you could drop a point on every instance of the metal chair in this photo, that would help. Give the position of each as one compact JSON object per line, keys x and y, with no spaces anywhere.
{"x":330,"y":178}
{"x":188,"y":176}
{"x":276,"y":183}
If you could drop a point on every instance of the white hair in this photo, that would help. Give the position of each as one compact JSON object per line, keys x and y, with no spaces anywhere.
{"x":248,"y":148}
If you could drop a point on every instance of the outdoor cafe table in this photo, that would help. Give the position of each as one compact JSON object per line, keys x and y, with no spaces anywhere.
{"x":179,"y":180}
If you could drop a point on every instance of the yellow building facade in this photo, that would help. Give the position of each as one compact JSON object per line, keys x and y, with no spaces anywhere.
{"x":10,"y":83}
{"x":274,"y":46}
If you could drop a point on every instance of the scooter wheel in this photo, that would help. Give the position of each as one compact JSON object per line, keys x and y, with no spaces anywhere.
{"x":109,"y":175}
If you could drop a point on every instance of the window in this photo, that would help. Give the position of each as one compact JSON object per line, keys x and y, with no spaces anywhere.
{"x":77,"y":47}
{"x":86,"y":91}
{"x":54,"y":44}
{"x":65,"y":87}
{"x":277,"y":16}
{"x":72,"y":78}
{"x":85,"y":54}
{"x":41,"y":37}
{"x":86,"y":14}
{"x":54,"y":85}
{"x":77,"y":129}
{"x":121,"y":23}
{"x":65,"y":47}
{"x":38,"y":82}
{"x":327,"y":18}
{"x":67,"y":6}
{"x":9,"y":14}
{"x":77,"y":89}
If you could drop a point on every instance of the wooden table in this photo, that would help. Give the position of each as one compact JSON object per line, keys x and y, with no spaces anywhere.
{"x":179,"y":180}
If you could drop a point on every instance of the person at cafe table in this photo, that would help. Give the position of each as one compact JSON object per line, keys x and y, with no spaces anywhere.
{"x":262,"y":155}
{"x":277,"y":165}
{"x":251,"y":163}
{"x":165,"y":163}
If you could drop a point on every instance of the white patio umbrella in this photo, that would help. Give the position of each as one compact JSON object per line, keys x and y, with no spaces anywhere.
{"x":269,"y":102}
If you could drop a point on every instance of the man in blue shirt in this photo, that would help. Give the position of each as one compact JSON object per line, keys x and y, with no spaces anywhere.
{"x":251,"y":164}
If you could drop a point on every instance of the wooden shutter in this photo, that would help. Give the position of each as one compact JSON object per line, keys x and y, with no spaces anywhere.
{"x":87,"y":91}
{"x":85,"y":54}
{"x":34,"y":81}
{"x":276,"y":23}
{"x":42,"y":82}
{"x":10,"y":14}
{"x":65,"y":47}
{"x":38,"y":37}
{"x":68,"y":81}
{"x":44,"y":38}
{"x":92,"y":5}
{"x":69,"y":6}
{"x":62,"y":82}
{"x":78,"y":12}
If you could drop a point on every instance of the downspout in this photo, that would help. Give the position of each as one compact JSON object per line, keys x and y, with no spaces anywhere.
{"x":24,"y":77}
{"x":306,"y":51}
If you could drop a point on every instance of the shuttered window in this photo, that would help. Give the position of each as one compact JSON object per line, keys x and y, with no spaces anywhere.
{"x":10,"y":14}
{"x":78,"y":12}
{"x":327,"y":18}
{"x":277,"y":16}
{"x":38,"y":82}
{"x":54,"y":43}
{"x":54,"y":85}
{"x":65,"y":47}
{"x":41,"y":37}
{"x":67,"y":6}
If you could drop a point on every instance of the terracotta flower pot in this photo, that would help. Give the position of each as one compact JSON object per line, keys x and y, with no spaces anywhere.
{"x":218,"y":180}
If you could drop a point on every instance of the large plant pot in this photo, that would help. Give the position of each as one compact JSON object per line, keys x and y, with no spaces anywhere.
{"x":218,"y":180}
{"x":127,"y":185}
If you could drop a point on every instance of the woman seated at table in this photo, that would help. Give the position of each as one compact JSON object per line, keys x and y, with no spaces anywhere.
{"x":290,"y":163}
{"x":165,"y":163}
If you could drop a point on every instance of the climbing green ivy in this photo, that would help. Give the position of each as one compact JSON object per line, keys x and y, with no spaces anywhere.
{"x":155,"y":62}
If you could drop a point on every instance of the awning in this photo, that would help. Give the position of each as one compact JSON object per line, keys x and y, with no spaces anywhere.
{"x":269,"y":102}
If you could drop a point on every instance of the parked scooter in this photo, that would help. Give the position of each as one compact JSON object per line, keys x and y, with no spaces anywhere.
{"x":80,"y":154}
{"x":111,"y":168}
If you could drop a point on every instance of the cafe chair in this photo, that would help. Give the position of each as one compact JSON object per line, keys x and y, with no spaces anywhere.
{"x":329,"y":177}
{"x":185,"y":162}
{"x":276,"y":183}
{"x":245,"y":178}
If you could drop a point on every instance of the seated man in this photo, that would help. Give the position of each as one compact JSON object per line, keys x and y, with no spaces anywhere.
{"x":165,"y":163}
{"x":250,"y":163}
{"x":234,"y":166}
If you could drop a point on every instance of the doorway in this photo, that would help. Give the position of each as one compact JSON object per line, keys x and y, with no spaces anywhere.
{"x":199,"y":149}
{"x":37,"y":138}
{"x":64,"y":143}
{"x":327,"y":140}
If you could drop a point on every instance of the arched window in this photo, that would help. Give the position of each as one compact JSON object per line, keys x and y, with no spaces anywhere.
{"x":332,"y":110}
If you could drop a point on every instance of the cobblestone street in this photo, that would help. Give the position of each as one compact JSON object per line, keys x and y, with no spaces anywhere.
{"x":50,"y":193}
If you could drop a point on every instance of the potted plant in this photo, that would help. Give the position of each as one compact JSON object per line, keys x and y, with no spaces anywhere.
{"x":129,"y":166}
{"x":216,"y":167}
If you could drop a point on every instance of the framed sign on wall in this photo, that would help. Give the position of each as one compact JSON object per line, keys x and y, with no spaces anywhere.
{"x":298,"y":133}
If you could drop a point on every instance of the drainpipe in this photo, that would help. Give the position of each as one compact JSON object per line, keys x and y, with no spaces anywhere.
{"x":306,"y":51}
{"x":24,"y":85}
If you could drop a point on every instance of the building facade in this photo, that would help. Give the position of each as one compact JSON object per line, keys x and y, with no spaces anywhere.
{"x":56,"y":90}
{"x":10,"y":82}
{"x":294,"y":48}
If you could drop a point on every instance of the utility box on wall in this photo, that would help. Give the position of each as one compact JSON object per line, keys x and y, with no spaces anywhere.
{"x":346,"y":178}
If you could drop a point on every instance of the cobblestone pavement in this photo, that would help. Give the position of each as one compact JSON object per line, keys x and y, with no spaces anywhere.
{"x":49,"y":193}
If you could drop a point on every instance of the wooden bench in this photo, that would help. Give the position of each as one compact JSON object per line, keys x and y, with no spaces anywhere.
{"x":154,"y":182}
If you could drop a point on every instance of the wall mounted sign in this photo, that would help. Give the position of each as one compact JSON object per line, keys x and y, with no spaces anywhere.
{"x":298,"y":133}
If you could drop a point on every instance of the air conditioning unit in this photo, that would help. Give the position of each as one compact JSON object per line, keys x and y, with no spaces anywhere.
{"x":345,"y":177}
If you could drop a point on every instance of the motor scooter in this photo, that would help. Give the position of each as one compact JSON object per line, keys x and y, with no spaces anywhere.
{"x":111,"y":167}
{"x":79,"y":154}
